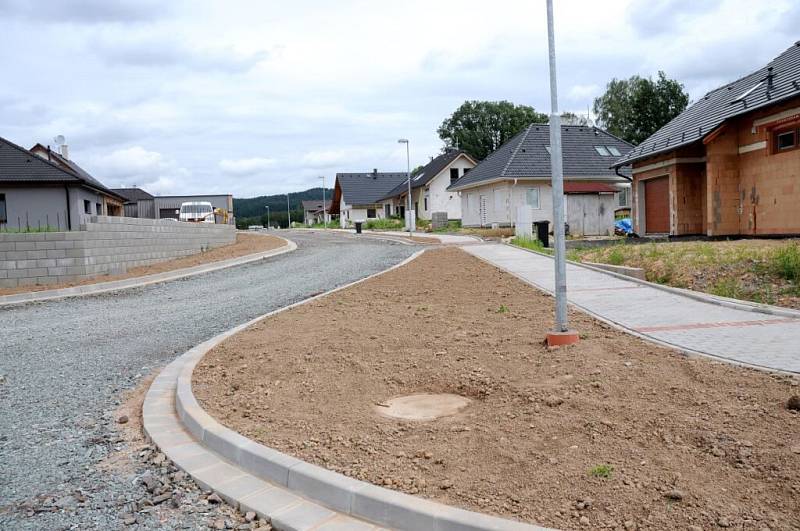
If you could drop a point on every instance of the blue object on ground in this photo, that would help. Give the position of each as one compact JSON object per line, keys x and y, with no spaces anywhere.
{"x":623,"y":226}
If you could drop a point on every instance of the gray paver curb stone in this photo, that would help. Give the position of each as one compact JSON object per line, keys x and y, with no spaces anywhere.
{"x":309,"y":482}
{"x":136,"y":282}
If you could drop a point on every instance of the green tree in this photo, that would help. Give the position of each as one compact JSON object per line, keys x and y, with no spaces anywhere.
{"x":480,"y":127}
{"x":635,"y":108}
{"x":570,"y":118}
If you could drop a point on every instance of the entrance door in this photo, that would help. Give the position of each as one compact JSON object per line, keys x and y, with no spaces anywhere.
{"x":656,"y":205}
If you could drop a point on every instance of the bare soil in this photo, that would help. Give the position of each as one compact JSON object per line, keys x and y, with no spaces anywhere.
{"x":245,"y":244}
{"x":613,"y":432}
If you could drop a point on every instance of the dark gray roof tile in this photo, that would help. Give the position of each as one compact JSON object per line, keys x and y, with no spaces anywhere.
{"x":367,"y":188}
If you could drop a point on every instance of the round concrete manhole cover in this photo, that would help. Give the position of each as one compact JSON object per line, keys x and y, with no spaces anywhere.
{"x":422,"y":406}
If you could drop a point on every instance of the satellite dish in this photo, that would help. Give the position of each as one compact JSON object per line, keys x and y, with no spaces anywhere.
{"x":59,"y":140}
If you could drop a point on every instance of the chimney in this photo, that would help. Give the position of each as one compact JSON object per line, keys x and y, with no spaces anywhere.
{"x":65,"y":151}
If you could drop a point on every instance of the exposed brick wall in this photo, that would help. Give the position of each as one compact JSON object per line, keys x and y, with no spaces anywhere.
{"x":107,"y":245}
{"x":689,"y":199}
{"x":722,"y":171}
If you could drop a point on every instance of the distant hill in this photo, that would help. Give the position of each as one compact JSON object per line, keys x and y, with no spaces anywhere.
{"x":251,"y":210}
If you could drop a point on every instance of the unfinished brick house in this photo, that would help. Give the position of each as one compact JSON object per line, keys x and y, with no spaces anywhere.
{"x":729,"y":164}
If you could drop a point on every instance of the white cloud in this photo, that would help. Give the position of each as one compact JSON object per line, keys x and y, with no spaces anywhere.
{"x":246,"y":166}
{"x":137,"y":166}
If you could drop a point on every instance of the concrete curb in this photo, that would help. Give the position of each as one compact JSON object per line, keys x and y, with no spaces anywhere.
{"x":135,"y":282}
{"x":623,"y":328}
{"x":340,"y":493}
{"x":736,"y":304}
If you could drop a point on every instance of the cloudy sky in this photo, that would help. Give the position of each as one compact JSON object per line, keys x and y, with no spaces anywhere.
{"x":263,"y":97}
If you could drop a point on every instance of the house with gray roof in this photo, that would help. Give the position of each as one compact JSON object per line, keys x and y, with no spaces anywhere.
{"x":518,"y":175}
{"x":429,"y":185}
{"x":44,"y":190}
{"x":359,"y":196}
{"x":727,"y":165}
{"x":314,"y":210}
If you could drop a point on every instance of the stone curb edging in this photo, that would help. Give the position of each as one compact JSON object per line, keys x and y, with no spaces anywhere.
{"x":717,"y":300}
{"x":640,"y":335}
{"x":136,"y":282}
{"x":348,"y":496}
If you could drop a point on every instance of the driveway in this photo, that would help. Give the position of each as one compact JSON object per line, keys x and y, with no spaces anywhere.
{"x":65,"y":363}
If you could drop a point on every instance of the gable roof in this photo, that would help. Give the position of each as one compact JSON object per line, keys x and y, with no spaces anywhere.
{"x":753,"y":91}
{"x":315,"y":205}
{"x":132,"y":195}
{"x":429,"y":171}
{"x":526,"y":155}
{"x":365,"y":188}
{"x":17,"y":164}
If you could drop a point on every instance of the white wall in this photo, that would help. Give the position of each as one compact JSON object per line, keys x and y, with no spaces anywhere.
{"x":439,"y":199}
{"x":501,"y":201}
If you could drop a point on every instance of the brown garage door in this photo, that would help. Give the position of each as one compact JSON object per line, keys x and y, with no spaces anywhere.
{"x":656,"y":205}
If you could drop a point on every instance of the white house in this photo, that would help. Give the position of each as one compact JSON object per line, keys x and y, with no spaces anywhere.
{"x":429,"y":187}
{"x":357,"y":196}
{"x":518,"y":173}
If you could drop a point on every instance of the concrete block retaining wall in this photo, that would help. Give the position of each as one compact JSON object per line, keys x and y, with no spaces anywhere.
{"x":105,"y":245}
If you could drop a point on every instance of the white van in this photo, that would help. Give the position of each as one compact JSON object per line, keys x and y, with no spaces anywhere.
{"x":197,"y":211}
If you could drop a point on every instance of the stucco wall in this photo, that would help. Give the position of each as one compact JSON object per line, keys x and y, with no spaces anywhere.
{"x":104,"y":245}
{"x":35,"y":208}
{"x":501,"y":201}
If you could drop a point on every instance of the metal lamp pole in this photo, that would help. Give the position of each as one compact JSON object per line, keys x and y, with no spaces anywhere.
{"x":267,"y":207}
{"x":411,"y":222}
{"x":561,"y":334}
{"x":324,"y":214}
{"x":288,"y":212}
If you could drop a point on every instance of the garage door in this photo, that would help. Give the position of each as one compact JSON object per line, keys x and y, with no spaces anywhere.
{"x":656,"y":205}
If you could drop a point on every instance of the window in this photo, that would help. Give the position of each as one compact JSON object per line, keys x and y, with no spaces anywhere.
{"x":98,"y":208}
{"x":532,"y":197}
{"x":623,"y":197}
{"x":3,"y":214}
{"x":387,"y":210}
{"x":453,"y":175}
{"x":466,"y":170}
{"x":87,"y":206}
{"x":602,"y":150}
{"x":426,"y":204}
{"x":614,"y":151}
{"x":785,"y":140}
{"x":370,"y":213}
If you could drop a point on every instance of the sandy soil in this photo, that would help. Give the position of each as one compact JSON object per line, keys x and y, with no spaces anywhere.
{"x":686,"y":442}
{"x":245,"y":244}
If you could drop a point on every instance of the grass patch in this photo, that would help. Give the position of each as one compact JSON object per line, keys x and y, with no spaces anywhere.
{"x":786,"y":262}
{"x":384,"y":224}
{"x":502,"y":309}
{"x":47,"y":228}
{"x":531,"y":243}
{"x":601,"y":471}
{"x":333,"y":224}
{"x":727,"y":287}
{"x":452,"y":226}
{"x":616,"y":257}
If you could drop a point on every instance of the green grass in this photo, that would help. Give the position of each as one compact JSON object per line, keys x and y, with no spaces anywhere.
{"x":785,"y":262}
{"x":616,"y":257}
{"x":333,"y":224}
{"x":502,"y":309}
{"x":601,"y":471}
{"x":452,"y":226}
{"x":531,"y":243}
{"x":384,"y":224}
{"x":727,"y":287}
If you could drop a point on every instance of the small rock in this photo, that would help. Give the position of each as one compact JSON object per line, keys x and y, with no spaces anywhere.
{"x":719,"y":452}
{"x":629,"y":525}
{"x":162,"y":498}
{"x":128,"y":519}
{"x":250,"y":516}
{"x":553,"y":401}
{"x":219,"y":523}
{"x":675,"y":494}
{"x":793,"y":403}
{"x":123,"y":419}
{"x":159,"y":459}
{"x":214,"y":498}
{"x":723,"y":522}
{"x":446,"y":484}
{"x":695,"y":528}
{"x":585,"y":520}
{"x":795,"y":449}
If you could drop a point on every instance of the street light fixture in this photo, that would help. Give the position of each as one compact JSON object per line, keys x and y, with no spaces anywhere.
{"x":561,"y":334}
{"x":410,"y":214}
{"x":267,"y":207}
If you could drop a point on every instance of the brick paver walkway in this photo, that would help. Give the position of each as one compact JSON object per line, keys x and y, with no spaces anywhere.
{"x":738,"y":335}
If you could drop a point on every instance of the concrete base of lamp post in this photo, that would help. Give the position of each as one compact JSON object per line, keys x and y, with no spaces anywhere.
{"x":560,"y":339}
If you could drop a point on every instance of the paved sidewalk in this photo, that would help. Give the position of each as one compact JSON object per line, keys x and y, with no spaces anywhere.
{"x":742,"y":336}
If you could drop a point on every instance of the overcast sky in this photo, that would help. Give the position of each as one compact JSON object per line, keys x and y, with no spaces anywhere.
{"x":262,"y":97}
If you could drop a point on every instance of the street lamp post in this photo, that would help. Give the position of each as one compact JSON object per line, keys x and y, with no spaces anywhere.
{"x":324,"y":213}
{"x":409,"y":217}
{"x":267,"y":207}
{"x":561,"y":334}
{"x":288,"y":212}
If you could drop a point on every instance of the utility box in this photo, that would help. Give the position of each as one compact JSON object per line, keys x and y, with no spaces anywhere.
{"x":524,"y":226}
{"x":438,"y":220}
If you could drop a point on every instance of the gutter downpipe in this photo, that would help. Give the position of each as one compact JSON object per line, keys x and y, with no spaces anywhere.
{"x":511,"y":205}
{"x":616,"y":170}
{"x":69,"y":210}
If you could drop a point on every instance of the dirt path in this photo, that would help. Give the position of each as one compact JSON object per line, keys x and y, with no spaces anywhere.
{"x":683,"y":442}
{"x":245,"y":244}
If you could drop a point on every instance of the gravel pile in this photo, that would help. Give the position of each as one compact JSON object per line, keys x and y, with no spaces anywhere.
{"x":64,"y":365}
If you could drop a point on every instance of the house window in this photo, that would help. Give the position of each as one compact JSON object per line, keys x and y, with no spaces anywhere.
{"x":614,"y":151}
{"x":532,"y":197}
{"x":3,"y":214}
{"x":425,"y":200}
{"x":785,"y":140}
{"x":387,"y":210}
{"x":453,"y":175}
{"x":602,"y":150}
{"x":370,"y":213}
{"x":623,"y":197}
{"x":466,"y":170}
{"x":87,"y":206}
{"x":98,"y":208}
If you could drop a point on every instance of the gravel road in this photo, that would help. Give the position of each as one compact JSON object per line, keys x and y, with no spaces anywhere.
{"x":65,"y":363}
